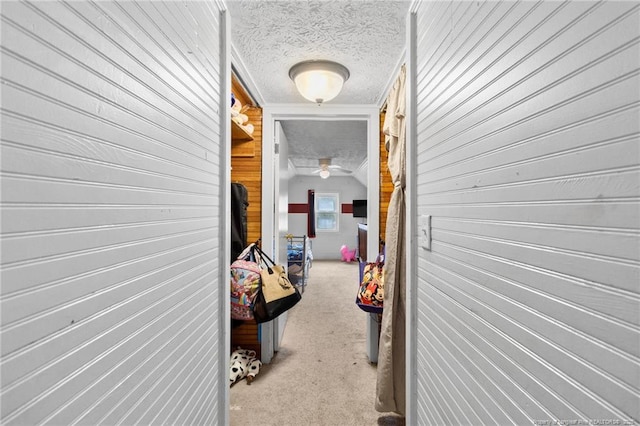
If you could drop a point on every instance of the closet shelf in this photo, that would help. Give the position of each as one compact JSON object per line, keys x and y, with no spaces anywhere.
{"x":238,"y":134}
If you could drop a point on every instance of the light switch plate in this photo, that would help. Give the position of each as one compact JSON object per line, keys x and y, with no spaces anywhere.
{"x":424,"y":231}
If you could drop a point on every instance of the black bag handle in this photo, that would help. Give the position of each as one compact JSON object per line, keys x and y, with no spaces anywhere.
{"x":264,"y":256}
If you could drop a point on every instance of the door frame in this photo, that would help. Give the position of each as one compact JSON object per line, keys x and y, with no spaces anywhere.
{"x":411,"y":225}
{"x":279,"y":112}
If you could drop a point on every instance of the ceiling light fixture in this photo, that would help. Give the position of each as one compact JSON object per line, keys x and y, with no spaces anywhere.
{"x":319,"y":81}
{"x":324,"y":174}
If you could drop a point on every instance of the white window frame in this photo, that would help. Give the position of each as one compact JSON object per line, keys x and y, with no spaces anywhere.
{"x":336,"y":212}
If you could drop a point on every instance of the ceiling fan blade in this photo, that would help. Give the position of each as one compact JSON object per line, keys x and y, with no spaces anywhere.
{"x":340,"y":168}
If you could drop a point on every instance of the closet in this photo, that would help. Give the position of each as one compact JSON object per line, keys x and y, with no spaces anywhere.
{"x":246,"y":168}
{"x":386,"y":184}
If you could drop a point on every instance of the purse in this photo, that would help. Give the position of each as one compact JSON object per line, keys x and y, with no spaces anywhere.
{"x":370,"y":295}
{"x":277,"y":294}
{"x":245,"y":284}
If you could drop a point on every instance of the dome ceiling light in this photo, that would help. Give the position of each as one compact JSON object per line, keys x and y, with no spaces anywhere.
{"x":319,"y":81}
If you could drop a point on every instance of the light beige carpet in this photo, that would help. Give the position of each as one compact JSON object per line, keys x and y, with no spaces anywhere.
{"x":321,"y":374}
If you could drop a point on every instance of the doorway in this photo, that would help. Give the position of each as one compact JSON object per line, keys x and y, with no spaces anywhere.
{"x":271,"y":185}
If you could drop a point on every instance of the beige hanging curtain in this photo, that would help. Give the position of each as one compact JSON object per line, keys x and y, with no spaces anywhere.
{"x":390,"y":388}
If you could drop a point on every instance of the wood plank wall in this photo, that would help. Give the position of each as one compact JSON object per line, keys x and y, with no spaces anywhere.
{"x":527,"y":159}
{"x":111,"y":236}
{"x":386,"y":185}
{"x":247,"y":169}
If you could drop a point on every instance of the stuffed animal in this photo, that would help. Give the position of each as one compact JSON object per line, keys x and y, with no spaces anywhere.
{"x":244,"y":364}
{"x":347,"y":255}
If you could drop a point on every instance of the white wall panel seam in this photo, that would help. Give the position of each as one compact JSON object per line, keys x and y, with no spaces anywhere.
{"x":39,"y":397}
{"x":91,"y":297}
{"x":105,"y":185}
{"x":180,"y":374}
{"x":559,"y":175}
{"x":525,"y":310}
{"x":82,"y":160}
{"x":449,"y":402}
{"x":171,"y":117}
{"x":526,"y":147}
{"x":187,"y":55}
{"x":124,"y":360}
{"x":126,"y":226}
{"x":455,"y":46}
{"x":8,"y":86}
{"x":573,"y":253}
{"x":170,"y":41}
{"x":624,"y":295}
{"x":445,"y":356}
{"x":486,"y":379}
{"x":532,"y":138}
{"x":79,"y":39}
{"x":508,"y":348}
{"x":127,"y":396}
{"x":626,"y":299}
{"x":542,"y":226}
{"x":53,"y":363}
{"x":447,"y":331}
{"x":478,"y":74}
{"x":484,"y":372}
{"x":573,"y":382}
{"x":50,"y":72}
{"x":150,"y":255}
{"x":163,"y":129}
{"x":539,"y":69}
{"x":61,"y":355}
{"x":168,"y":373}
{"x":142,"y":47}
{"x":152,"y":39}
{"x":584,"y":94}
{"x":196,"y":393}
{"x":585,"y":147}
{"x":435,"y":95}
{"x":112,"y":110}
{"x":32,"y":121}
{"x":205,"y":357}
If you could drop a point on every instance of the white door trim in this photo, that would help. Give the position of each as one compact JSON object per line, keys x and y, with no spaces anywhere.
{"x":276,"y":112}
{"x":224,"y":319}
{"x":411,"y":230}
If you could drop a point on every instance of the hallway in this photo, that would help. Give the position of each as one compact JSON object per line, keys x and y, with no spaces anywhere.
{"x":523,"y":209}
{"x":321,"y":374}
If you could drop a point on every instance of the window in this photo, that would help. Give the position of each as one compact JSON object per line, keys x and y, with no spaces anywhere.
{"x":327,"y":213}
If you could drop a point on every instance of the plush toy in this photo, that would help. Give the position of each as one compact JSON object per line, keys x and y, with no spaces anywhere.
{"x":243,"y":364}
{"x":347,"y":255}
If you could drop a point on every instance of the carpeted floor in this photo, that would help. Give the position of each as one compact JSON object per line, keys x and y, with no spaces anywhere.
{"x":321,"y":375}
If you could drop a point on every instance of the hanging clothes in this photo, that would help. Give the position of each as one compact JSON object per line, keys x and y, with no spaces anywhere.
{"x":239,"y":204}
{"x":390,"y":386}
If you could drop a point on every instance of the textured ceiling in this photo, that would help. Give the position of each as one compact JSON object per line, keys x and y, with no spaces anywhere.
{"x":366,"y":36}
{"x":310,"y":140}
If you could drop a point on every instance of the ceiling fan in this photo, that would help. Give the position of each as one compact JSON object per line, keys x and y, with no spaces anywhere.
{"x":325,"y":168}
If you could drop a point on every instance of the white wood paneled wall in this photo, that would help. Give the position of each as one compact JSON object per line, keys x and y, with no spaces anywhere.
{"x":111,"y":199}
{"x":528,"y":161}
